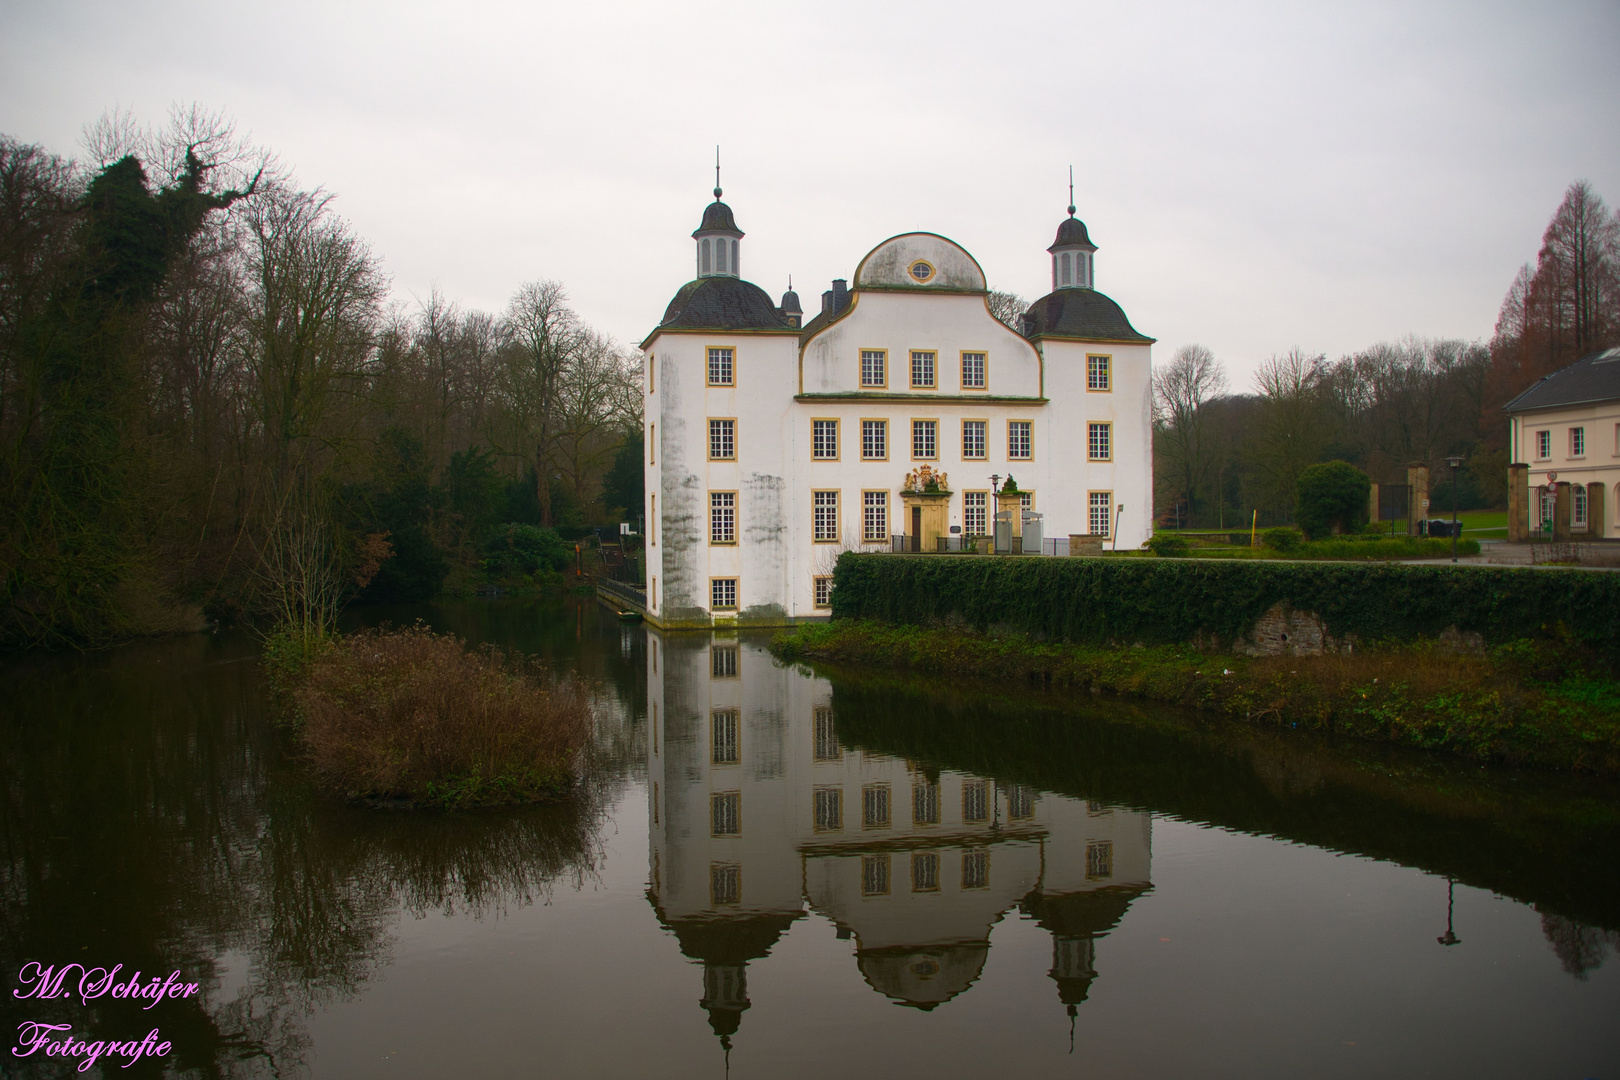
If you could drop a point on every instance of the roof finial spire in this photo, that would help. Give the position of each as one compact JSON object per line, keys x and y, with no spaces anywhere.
{"x":717,"y":172}
{"x":1071,"y":185}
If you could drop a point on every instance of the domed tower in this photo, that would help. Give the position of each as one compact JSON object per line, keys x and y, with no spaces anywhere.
{"x":791,"y":311}
{"x":1072,"y":255}
{"x":718,"y":240}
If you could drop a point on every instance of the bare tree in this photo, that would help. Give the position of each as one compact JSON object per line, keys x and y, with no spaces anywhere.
{"x":1007,"y":307}
{"x":1181,"y":391}
{"x":542,"y":336}
{"x":1291,"y":431}
{"x":598,"y":400}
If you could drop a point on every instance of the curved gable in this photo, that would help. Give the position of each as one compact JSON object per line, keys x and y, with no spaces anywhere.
{"x":888,"y":266}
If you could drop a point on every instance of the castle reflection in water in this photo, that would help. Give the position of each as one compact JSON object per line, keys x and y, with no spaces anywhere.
{"x":759,"y":815}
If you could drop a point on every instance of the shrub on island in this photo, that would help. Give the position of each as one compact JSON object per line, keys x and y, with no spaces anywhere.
{"x":415,"y":718}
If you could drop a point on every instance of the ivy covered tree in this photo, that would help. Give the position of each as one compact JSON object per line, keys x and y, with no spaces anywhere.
{"x":1331,"y":497}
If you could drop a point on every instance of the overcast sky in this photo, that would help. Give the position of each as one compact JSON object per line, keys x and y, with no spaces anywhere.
{"x":1257,"y":176}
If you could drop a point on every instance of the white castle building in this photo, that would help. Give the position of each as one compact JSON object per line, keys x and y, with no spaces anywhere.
{"x":760,"y":815}
{"x":773,"y":446}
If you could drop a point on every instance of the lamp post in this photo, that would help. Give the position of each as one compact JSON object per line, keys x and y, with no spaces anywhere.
{"x":1456,"y":463}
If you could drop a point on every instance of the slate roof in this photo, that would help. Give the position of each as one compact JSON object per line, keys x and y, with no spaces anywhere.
{"x":1085,"y":314}
{"x":717,"y":218}
{"x":1591,"y":378}
{"x":722,"y":303}
{"x":1072,"y":232}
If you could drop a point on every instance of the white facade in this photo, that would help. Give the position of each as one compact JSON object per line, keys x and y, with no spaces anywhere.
{"x":1063,"y":407}
{"x":760,"y":816}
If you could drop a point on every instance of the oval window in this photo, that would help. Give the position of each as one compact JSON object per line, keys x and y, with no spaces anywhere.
{"x":921,"y":271}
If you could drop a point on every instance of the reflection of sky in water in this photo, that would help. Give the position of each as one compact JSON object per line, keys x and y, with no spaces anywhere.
{"x":856,"y":877}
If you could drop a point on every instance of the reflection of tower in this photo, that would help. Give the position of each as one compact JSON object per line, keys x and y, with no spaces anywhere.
{"x":725,"y":996}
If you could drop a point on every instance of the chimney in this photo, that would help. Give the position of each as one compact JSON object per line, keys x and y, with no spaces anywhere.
{"x":840,"y":295}
{"x":827,"y":302}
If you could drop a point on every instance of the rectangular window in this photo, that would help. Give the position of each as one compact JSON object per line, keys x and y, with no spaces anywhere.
{"x":924,"y":871}
{"x":1019,"y":439}
{"x":925,"y":804}
{"x":1020,"y":802}
{"x":1100,"y":442}
{"x":827,"y":747}
{"x":652,"y":374}
{"x":824,"y":528}
{"x":652,"y":444}
{"x":1100,"y":513}
{"x":874,"y":516}
{"x":829,"y":809}
{"x":922,"y":370}
{"x":723,"y":594}
{"x":725,"y":813}
{"x":875,"y":368}
{"x":874,"y":875}
{"x":1543,"y":444}
{"x":824,"y":440}
{"x":975,"y":801}
{"x":725,"y":883}
{"x":722,"y":440}
{"x":1577,"y":507}
{"x":1098,"y":374}
{"x":974,"y":504}
{"x":1099,"y":859}
{"x":1026,"y":500}
{"x":973,"y":439}
{"x":823,"y":591}
{"x":724,"y":732}
{"x":975,"y":869}
{"x":875,"y":806}
{"x":924,"y":440}
{"x":874,"y":440}
{"x":722,"y":517}
{"x":723,"y":662}
{"x":721,"y":367}
{"x":973,"y":371}
{"x":1577,"y":442}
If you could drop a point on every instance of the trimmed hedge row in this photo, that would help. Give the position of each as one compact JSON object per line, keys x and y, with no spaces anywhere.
{"x":1154,"y":601}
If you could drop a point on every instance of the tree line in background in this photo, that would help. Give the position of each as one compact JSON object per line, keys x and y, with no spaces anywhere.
{"x":207,"y":403}
{"x":1221,"y":457}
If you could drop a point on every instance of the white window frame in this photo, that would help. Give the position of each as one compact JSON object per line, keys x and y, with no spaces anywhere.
{"x":875,"y":512}
{"x":824,"y":516}
{"x":874,"y":430}
{"x":722,"y":517}
{"x":722,"y":365}
{"x":722,"y":438}
{"x":978,"y":450}
{"x":982,"y":363}
{"x":925,"y":361}
{"x":879,"y":358}
{"x":823,"y":448}
{"x":1020,"y":440}
{"x":924,"y":433}
{"x":1099,"y":440}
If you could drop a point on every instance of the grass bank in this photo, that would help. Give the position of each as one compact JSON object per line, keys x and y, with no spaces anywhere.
{"x":1521,"y":703}
{"x":413,"y":718}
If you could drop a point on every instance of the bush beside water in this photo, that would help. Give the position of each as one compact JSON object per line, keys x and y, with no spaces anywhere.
{"x":413,"y":717}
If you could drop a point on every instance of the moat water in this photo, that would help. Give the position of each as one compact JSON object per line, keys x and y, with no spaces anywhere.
{"x":783,"y":871}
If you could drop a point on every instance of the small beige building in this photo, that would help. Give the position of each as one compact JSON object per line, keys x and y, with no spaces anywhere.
{"x":1564,"y":453}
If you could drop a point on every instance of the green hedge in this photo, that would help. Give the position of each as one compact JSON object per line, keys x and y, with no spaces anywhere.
{"x":1153,"y":601}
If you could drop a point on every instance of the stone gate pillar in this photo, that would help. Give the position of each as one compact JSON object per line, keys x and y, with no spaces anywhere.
{"x":1518,"y":524}
{"x":1563,"y":508}
{"x":1417,"y":475}
{"x":1597,"y":516}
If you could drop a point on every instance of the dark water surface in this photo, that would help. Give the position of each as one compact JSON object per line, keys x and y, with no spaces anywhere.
{"x":798,"y":873}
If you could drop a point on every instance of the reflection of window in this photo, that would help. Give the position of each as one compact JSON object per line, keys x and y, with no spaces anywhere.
{"x":725,"y":883}
{"x":924,"y":872}
{"x":824,"y":440}
{"x":973,"y":438}
{"x":824,"y":523}
{"x":973,"y":371}
{"x":725,"y":813}
{"x":975,"y":869}
{"x":723,"y":594}
{"x":975,"y":801}
{"x":874,"y":367}
{"x":827,"y":748}
{"x":829,"y":807}
{"x":874,"y":875}
{"x":723,"y":662}
{"x":1096,"y":808}
{"x":925,"y":803}
{"x":823,"y":592}
{"x":1020,"y":802}
{"x":723,"y":741}
{"x":875,"y":806}
{"x":720,"y":367}
{"x":1100,"y":859}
